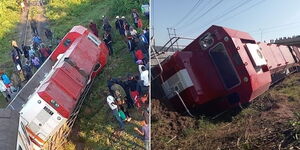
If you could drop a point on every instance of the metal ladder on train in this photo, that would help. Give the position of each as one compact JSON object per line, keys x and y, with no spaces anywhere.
{"x":165,"y":48}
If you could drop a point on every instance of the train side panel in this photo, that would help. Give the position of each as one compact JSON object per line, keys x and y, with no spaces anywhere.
{"x":221,"y":64}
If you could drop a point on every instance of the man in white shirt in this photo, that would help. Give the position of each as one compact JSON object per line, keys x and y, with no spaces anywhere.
{"x":114,"y":107}
{"x":145,"y":76}
{"x":3,"y":89}
{"x":144,"y":82}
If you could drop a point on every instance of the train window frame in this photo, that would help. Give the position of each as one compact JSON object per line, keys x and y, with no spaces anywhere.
{"x":231,"y":64}
{"x":97,"y":67}
{"x":94,"y":39}
{"x":206,"y":36}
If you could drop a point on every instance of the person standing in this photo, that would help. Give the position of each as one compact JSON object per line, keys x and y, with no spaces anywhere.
{"x":7,"y":82}
{"x":36,"y":40}
{"x":114,"y":107}
{"x":25,"y":50}
{"x":144,"y":82}
{"x":35,"y":61}
{"x":108,"y":41}
{"x":106,"y":26}
{"x":44,"y":52}
{"x":145,"y":132}
{"x":94,"y":28}
{"x":135,"y":17}
{"x":131,"y":46}
{"x":120,"y":26}
{"x":16,"y":58}
{"x":33,"y":26}
{"x":27,"y":70}
{"x":125,"y":26}
{"x":15,"y":46}
{"x":48,"y":34}
{"x":3,"y":90}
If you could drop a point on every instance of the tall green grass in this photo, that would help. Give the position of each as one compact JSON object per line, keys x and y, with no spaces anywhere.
{"x":9,"y":17}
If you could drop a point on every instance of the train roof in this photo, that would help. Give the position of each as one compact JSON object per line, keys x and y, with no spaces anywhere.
{"x":69,"y":76}
{"x":9,"y":122}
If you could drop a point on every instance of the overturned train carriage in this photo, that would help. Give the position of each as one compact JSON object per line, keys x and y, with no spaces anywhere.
{"x":50,"y":101}
{"x":221,"y":69}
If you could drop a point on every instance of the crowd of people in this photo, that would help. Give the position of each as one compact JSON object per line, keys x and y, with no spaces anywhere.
{"x":125,"y":94}
{"x":26,"y":60}
{"x":129,"y":94}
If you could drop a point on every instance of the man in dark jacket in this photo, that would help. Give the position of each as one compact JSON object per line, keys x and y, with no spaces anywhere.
{"x":16,"y":57}
{"x":48,"y":34}
{"x":25,"y":50}
{"x":108,"y":41}
{"x":120,"y":26}
{"x":27,"y":70}
{"x":106,"y":26}
{"x":33,"y":25}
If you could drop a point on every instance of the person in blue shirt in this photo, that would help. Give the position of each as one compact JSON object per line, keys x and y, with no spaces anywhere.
{"x":36,"y":40}
{"x":5,"y":79}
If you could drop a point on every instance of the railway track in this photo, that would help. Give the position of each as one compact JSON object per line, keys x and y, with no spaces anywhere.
{"x":25,"y":36}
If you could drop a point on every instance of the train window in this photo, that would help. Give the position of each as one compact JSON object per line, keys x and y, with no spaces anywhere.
{"x":94,"y":39}
{"x":67,"y":42}
{"x":224,"y":66}
{"x":206,"y":41}
{"x":97,"y":67}
{"x":237,"y":59}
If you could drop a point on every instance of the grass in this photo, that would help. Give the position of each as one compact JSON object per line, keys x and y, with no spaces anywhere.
{"x":9,"y":18}
{"x":95,"y":124}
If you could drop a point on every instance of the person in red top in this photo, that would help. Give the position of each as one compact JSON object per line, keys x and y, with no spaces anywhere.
{"x":94,"y":28}
{"x":44,"y":52}
{"x":139,"y":54}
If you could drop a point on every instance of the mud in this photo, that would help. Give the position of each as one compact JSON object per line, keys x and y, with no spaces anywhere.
{"x":265,"y":124}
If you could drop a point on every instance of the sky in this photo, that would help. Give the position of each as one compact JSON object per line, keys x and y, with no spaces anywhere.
{"x":262,"y":19}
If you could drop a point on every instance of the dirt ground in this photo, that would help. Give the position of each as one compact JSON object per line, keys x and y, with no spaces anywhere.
{"x":272,"y":121}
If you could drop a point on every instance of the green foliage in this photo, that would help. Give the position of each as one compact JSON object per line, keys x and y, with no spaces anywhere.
{"x":9,"y":17}
{"x":290,"y":88}
{"x":296,"y":126}
{"x":205,"y":123}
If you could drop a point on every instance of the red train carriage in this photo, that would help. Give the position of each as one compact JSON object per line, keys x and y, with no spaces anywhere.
{"x":223,"y":67}
{"x":48,"y":100}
